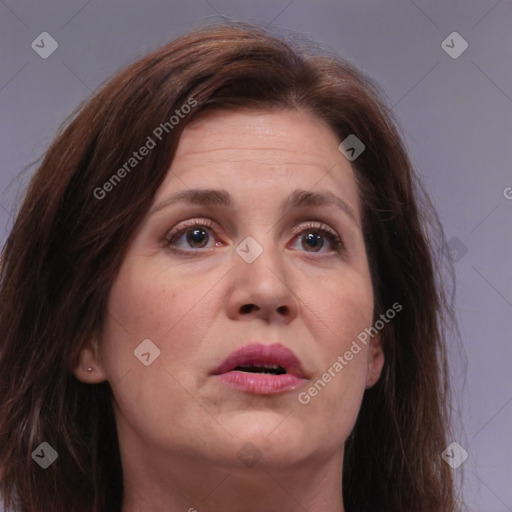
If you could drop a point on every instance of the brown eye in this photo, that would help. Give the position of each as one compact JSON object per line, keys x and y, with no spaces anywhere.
{"x":197,"y":237}
{"x":312,"y":241}
{"x":312,"y":238}
{"x":191,"y":235}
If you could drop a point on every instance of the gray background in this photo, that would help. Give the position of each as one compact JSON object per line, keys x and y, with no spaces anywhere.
{"x":455,"y":114}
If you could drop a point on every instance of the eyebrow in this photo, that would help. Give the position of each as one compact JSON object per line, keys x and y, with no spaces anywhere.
{"x":221,"y":197}
{"x":206,"y":197}
{"x":300,"y":198}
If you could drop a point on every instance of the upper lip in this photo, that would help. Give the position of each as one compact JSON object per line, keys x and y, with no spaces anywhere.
{"x":258,"y":354}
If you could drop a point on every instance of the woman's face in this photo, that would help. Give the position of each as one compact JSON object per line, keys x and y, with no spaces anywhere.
{"x":239,"y":250}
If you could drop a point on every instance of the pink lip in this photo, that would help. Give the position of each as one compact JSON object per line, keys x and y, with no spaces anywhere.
{"x":257,"y":354}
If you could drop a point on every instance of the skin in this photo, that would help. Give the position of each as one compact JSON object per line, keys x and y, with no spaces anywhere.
{"x":180,"y":429}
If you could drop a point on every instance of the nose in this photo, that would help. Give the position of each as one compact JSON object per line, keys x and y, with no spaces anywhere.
{"x":262,"y":289}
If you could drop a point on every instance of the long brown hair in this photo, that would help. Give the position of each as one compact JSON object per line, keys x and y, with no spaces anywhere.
{"x":69,"y":240}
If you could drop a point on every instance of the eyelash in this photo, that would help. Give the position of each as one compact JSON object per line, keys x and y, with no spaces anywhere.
{"x":333,"y":238}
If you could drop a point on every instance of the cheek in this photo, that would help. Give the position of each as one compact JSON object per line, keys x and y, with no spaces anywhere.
{"x":338,"y":311}
{"x":148,"y":301}
{"x":341,"y":305}
{"x":153,"y":298}
{"x":174,"y":312}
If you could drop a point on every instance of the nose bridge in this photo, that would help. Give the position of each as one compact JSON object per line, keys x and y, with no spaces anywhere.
{"x":261,"y":260}
{"x":262,"y":283}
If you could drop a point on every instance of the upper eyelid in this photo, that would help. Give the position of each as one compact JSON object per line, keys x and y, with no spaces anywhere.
{"x":190,"y":223}
{"x":315,"y":224}
{"x":209,"y":223}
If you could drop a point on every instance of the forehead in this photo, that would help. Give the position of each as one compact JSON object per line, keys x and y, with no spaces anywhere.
{"x":261,"y":154}
{"x":279,"y":134}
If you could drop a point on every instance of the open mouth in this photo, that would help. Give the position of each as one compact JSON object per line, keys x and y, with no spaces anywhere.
{"x":271,"y":369}
{"x":261,"y":369}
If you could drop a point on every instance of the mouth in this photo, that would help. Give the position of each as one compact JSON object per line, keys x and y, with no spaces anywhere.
{"x":261,"y":369}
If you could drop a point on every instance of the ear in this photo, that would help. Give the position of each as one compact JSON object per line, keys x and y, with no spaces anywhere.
{"x":89,"y":368}
{"x":375,"y":361}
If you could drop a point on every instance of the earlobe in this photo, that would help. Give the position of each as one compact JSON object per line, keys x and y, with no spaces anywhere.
{"x":89,"y":369}
{"x":375,"y":362}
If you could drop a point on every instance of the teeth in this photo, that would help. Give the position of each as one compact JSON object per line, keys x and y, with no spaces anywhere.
{"x":264,"y":368}
{"x":268,"y":366}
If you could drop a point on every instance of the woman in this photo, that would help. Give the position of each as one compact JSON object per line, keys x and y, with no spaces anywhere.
{"x":218,"y":295}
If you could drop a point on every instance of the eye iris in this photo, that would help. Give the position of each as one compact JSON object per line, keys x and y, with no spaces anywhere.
{"x":313,"y":241}
{"x":197,"y":237}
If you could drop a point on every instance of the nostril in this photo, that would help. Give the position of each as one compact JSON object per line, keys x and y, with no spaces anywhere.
{"x":282,"y":309}
{"x":247,"y":308}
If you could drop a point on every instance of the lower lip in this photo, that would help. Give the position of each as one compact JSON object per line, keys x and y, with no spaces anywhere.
{"x":261,"y":383}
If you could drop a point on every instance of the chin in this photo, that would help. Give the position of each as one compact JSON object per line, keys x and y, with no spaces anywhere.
{"x":280,"y":439}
